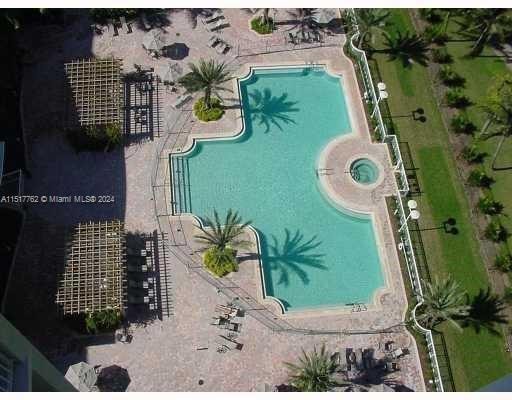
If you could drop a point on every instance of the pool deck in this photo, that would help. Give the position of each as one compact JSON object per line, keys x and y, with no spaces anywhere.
{"x":175,"y":353}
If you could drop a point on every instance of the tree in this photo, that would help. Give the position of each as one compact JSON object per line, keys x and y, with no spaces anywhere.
{"x":369,"y":20}
{"x":221,"y":235}
{"x":442,"y":301}
{"x":265,"y":12}
{"x":313,"y":373}
{"x":498,"y":107}
{"x":304,"y":19}
{"x":485,"y":26}
{"x":208,"y":76}
{"x":407,"y":47}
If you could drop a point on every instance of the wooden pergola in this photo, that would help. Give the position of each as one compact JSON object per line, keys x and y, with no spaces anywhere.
{"x":94,"y":277}
{"x":95,"y":92}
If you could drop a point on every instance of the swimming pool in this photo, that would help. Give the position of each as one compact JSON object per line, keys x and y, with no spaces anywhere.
{"x":364,"y":171}
{"x":313,"y":255}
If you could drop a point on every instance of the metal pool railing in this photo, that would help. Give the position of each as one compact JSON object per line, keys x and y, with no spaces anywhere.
{"x":405,"y":237}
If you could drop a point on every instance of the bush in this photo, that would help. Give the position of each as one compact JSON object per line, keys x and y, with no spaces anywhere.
{"x":472,"y":155}
{"x":460,"y":123}
{"x":479,"y":178}
{"x":503,"y":262}
{"x":489,"y":206}
{"x":496,"y":232}
{"x":449,"y":77}
{"x":103,"y":321}
{"x":96,"y":137}
{"x":432,"y":15}
{"x":441,"y":56}
{"x":220,"y":262}
{"x":259,"y":26}
{"x":508,"y":294}
{"x":213,"y":113}
{"x":456,"y":99}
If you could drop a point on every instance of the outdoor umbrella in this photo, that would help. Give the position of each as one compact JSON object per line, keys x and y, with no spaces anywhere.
{"x":82,"y":376}
{"x":325,"y":15}
{"x":113,"y":379}
{"x":177,"y":51}
{"x":153,"y":41}
{"x":173,"y":72}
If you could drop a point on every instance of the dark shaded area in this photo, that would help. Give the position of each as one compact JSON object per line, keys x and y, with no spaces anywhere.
{"x":113,"y":379}
{"x":12,"y":221}
{"x":176,"y":51}
{"x":487,"y":311}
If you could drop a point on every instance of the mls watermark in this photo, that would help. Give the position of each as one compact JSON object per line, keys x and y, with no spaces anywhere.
{"x":58,"y":199}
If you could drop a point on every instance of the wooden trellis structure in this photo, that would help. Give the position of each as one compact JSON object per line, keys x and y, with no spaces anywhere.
{"x":95,"y":92}
{"x":94,"y":277}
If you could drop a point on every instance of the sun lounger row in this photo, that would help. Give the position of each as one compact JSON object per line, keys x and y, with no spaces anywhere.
{"x":215,"y":21}
{"x":304,"y":37}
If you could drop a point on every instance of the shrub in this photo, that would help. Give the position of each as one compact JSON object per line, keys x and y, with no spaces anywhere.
{"x":213,"y":113}
{"x":496,"y":232}
{"x":220,"y":262}
{"x":113,"y":134}
{"x":508,"y":294}
{"x":103,"y":321}
{"x":456,"y":98}
{"x":503,"y":262}
{"x":449,"y":77}
{"x":479,"y":178}
{"x":489,"y":206}
{"x":441,"y":56}
{"x":436,"y":34}
{"x":259,"y":26}
{"x":472,"y":155}
{"x":460,"y":123}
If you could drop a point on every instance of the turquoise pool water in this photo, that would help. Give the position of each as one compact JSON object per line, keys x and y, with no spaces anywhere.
{"x":364,"y":171}
{"x":313,"y":255}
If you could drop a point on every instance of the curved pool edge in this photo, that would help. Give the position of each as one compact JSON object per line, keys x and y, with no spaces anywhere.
{"x":194,"y":139}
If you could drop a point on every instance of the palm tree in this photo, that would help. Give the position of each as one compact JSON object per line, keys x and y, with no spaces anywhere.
{"x":207,"y":76}
{"x":369,"y":19}
{"x":498,"y":107}
{"x":304,"y":19}
{"x":223,"y":235}
{"x":485,"y":26}
{"x":313,"y":373}
{"x":442,"y":301}
{"x":408,"y":48}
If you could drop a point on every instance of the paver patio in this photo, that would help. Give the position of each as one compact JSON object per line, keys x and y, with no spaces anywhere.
{"x":165,"y":355}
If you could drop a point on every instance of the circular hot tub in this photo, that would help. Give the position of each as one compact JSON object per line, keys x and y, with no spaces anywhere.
{"x":364,"y":171}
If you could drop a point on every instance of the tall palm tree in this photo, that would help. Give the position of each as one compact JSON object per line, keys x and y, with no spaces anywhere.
{"x":208,"y":76}
{"x":498,"y":107}
{"x":220,"y":235}
{"x":313,"y":372}
{"x":304,"y":19}
{"x":369,"y":20}
{"x":442,"y":301}
{"x":407,"y":47}
{"x":485,"y":26}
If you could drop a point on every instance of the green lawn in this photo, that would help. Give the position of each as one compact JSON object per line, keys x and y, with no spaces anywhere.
{"x":476,"y":359}
{"x":480,"y":73}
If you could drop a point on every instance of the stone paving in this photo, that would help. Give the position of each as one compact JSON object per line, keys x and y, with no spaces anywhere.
{"x":176,"y":353}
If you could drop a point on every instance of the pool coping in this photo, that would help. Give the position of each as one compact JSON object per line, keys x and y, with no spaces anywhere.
{"x":244,"y":73}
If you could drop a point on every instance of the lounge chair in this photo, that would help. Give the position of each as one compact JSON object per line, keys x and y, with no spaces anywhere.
{"x":230,"y":344}
{"x":233,"y":327}
{"x":219,"y":321}
{"x":359,"y":359}
{"x":180,"y":100}
{"x":219,"y":24}
{"x":222,"y":47}
{"x":396,"y":353}
{"x":214,"y":40}
{"x":292,"y":38}
{"x":137,"y":268}
{"x":112,"y":26}
{"x":138,"y":284}
{"x":137,"y":299}
{"x":213,"y":17}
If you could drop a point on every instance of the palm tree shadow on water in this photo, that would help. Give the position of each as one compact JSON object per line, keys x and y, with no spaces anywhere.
{"x":269,"y":110}
{"x":294,"y":255}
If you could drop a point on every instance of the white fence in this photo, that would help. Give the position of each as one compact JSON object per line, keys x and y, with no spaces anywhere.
{"x":403,"y":185}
